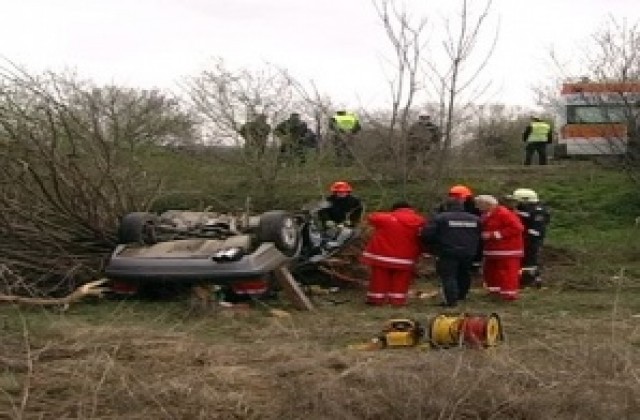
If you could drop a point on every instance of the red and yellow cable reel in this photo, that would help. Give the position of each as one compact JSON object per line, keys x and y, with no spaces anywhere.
{"x":445,"y":331}
{"x":451,"y":330}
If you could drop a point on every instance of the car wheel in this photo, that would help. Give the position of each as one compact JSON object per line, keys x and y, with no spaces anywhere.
{"x":138,"y":227}
{"x":280,"y":228}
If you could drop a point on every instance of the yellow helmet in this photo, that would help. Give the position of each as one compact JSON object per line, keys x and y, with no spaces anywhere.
{"x":525,"y":195}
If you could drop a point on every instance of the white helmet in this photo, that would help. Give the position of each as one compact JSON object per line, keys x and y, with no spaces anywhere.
{"x":526,"y":195}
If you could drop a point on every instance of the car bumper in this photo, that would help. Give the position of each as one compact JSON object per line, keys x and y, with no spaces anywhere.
{"x":169,"y":269}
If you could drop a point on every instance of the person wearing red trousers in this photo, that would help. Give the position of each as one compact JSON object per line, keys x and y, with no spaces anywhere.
{"x":392,"y":253}
{"x":503,"y":247}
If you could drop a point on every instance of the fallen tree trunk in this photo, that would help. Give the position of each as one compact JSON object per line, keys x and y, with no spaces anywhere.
{"x":89,"y":289}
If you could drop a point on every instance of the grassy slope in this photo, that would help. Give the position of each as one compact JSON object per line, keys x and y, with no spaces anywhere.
{"x":572,"y":349}
{"x":591,"y":206}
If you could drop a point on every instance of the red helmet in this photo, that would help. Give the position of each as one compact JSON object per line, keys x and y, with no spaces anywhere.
{"x":341,"y":186}
{"x":460,"y":191}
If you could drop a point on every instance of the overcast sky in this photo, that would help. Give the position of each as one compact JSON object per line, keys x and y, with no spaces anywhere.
{"x":339,"y":44}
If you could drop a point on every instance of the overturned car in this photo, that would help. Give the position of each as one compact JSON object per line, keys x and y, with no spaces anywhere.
{"x":191,"y":247}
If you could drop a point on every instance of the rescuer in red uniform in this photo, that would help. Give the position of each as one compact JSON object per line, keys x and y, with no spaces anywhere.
{"x":502,"y":240}
{"x":392,"y":253}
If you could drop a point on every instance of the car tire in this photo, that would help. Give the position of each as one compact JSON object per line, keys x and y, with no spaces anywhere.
{"x":280,"y":227}
{"x":138,"y":227}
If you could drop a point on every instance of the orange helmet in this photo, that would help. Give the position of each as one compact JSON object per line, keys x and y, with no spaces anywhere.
{"x":460,"y":191}
{"x":341,"y":186}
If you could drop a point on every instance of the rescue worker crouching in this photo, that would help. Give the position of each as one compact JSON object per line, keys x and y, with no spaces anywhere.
{"x":392,"y":253}
{"x":502,"y":244}
{"x":343,"y":207}
{"x":453,"y":236}
{"x":535,"y":217}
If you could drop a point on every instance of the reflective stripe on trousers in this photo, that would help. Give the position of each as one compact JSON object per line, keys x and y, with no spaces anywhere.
{"x":382,"y":258}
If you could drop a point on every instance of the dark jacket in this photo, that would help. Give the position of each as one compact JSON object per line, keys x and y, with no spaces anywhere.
{"x":342,"y":209}
{"x":292,"y":130}
{"x":468,"y":205}
{"x":255,"y":133}
{"x":535,"y":217}
{"x":453,"y":232}
{"x":423,"y":133}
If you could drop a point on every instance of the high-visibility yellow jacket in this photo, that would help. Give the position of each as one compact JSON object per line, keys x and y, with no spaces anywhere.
{"x":538,"y":131}
{"x":347,"y":123}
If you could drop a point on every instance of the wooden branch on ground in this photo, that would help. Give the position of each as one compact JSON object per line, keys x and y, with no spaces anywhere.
{"x":292,"y":290}
{"x":336,"y":261}
{"x":340,"y":276}
{"x":89,"y":289}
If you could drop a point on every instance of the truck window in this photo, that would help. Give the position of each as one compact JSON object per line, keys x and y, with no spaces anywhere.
{"x":593,"y":114}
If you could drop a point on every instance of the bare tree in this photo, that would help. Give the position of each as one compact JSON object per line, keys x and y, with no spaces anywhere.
{"x":493,"y":134}
{"x":407,"y":37}
{"x":70,"y":163}
{"x":456,"y":79}
{"x":226,"y":99}
{"x":615,"y":52}
{"x":615,"y":57}
{"x":447,"y":77}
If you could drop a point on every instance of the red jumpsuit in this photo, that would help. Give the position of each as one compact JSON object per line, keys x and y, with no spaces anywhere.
{"x":503,"y":247}
{"x":392,"y":253}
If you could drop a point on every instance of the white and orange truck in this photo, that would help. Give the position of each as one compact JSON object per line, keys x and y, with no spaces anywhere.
{"x":595,"y":117}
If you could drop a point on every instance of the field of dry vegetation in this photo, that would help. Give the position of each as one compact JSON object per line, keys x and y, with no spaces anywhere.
{"x":572,"y":349}
{"x":566,"y":355}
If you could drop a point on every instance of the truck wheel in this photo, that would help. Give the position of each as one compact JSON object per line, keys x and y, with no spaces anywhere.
{"x":280,"y":227}
{"x":138,"y":227}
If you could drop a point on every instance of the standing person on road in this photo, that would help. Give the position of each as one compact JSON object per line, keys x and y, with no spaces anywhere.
{"x":535,"y":217}
{"x":502,"y":244}
{"x":255,"y":134}
{"x":343,"y":126}
{"x":392,"y":253}
{"x":423,"y":137}
{"x":293,"y":134}
{"x":537,"y":136}
{"x":453,"y":236}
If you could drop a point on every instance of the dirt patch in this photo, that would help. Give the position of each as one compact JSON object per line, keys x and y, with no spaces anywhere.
{"x":553,"y":255}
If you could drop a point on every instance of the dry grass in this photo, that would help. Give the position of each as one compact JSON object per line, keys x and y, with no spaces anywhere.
{"x":110,"y":372}
{"x":506,"y":383}
{"x":132,"y":360}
